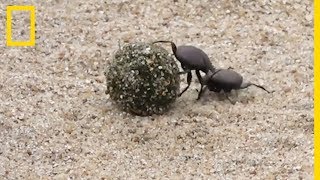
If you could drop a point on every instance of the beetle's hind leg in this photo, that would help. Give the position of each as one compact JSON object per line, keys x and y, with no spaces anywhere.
{"x":247,"y":84}
{"x":226,"y":95}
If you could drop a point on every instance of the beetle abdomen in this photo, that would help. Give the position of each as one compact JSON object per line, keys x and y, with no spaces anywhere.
{"x":193,"y":58}
{"x":227,"y":80}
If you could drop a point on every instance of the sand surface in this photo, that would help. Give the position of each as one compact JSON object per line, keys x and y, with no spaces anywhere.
{"x":56,"y":122}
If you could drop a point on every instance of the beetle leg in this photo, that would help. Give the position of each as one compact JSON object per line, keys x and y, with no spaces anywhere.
{"x":247,"y":84}
{"x":199,"y":76}
{"x":231,"y":101}
{"x":189,"y":77}
{"x":201,"y":82}
{"x":202,"y":91}
{"x":200,"y":79}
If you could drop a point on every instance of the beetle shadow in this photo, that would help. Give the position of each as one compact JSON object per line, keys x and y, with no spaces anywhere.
{"x":209,"y":96}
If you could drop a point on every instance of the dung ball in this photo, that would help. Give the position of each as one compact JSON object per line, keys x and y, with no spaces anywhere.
{"x":143,"y":79}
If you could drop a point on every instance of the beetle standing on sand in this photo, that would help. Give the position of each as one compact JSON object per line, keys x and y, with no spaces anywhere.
{"x":191,"y":58}
{"x":226,"y":80}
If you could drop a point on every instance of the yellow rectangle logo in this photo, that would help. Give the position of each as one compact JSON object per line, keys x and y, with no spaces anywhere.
{"x":32,"y":38}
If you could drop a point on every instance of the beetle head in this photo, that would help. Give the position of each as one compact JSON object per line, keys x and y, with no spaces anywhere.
{"x":207,"y":77}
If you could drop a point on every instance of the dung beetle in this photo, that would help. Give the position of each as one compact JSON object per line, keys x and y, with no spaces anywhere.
{"x":226,"y":80}
{"x":191,"y":58}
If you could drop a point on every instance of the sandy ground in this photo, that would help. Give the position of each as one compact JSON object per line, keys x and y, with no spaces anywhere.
{"x":57,"y":123}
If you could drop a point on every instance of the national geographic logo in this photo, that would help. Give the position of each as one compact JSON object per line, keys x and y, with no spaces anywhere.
{"x":31,"y":10}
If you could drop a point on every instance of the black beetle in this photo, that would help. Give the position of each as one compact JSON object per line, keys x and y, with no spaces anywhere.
{"x":226,"y":80}
{"x":191,"y":58}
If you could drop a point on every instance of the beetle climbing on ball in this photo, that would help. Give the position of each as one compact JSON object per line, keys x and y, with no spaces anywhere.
{"x":191,"y":58}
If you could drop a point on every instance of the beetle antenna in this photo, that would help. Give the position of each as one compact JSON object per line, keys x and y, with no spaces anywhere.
{"x":245,"y":85}
{"x":173,"y":46}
